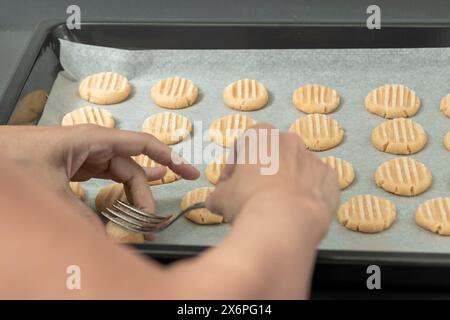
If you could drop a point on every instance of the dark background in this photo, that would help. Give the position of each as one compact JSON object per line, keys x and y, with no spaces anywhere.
{"x":18,"y":18}
{"x":25,"y":14}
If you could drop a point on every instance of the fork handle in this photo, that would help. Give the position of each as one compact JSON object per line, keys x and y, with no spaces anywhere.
{"x":199,"y":205}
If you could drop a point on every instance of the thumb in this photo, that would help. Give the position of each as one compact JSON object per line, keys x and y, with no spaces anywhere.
{"x":219,"y":200}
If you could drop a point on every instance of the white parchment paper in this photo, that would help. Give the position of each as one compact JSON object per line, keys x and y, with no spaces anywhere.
{"x":352,"y":72}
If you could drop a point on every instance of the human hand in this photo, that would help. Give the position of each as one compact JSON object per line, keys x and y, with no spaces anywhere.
{"x":57,"y":155}
{"x":302,"y":181}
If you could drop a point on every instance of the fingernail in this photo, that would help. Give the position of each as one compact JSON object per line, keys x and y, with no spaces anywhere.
{"x":177,"y":159}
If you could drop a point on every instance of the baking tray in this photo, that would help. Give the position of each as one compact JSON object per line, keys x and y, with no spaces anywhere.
{"x":40,"y":66}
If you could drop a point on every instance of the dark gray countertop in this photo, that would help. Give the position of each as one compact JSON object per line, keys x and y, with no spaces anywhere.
{"x":18,"y":18}
{"x":12,"y":46}
{"x":25,"y":14}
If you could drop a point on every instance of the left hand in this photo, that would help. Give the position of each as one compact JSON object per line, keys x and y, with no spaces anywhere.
{"x":57,"y":155}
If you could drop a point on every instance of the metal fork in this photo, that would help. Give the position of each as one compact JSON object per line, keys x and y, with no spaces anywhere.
{"x":136,"y":220}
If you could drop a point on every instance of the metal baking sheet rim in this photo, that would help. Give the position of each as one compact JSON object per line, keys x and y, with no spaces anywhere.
{"x":26,"y":67}
{"x":281,"y":70}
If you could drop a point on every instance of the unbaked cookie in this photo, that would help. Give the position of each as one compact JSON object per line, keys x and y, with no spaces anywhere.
{"x":445,"y":105}
{"x":434,"y":215}
{"x":200,"y":216}
{"x":246,"y":95}
{"x":108,"y":195}
{"x":392,"y":101}
{"x":315,"y":98}
{"x":104,"y":88}
{"x":78,"y":190}
{"x":344,"y":170}
{"x":145,"y":161}
{"x":447,"y":141}
{"x":399,"y":136}
{"x":89,"y":115}
{"x":214,"y":169}
{"x":403,"y":176}
{"x":174,"y":93}
{"x":318,"y":131}
{"x":367,"y":214}
{"x":224,"y":131}
{"x":122,"y":235}
{"x":168,"y":127}
{"x":105,"y":199}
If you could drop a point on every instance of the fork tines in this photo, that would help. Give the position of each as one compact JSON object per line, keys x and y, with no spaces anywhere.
{"x":137,"y":220}
{"x":134,"y":219}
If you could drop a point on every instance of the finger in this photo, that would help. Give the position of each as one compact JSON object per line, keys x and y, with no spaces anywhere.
{"x":332,"y":190}
{"x":125,"y":170}
{"x":229,"y":166}
{"x":227,"y":172}
{"x":219,"y":200}
{"x":155,"y":173}
{"x":128,"y":143}
{"x":247,"y":148}
{"x":231,"y":161}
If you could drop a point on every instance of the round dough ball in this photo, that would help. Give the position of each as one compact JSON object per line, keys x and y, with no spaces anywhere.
{"x":245,"y":95}
{"x":214,"y":169}
{"x":174,"y":93}
{"x":199,"y":216}
{"x":445,"y":105}
{"x":343,"y":169}
{"x":168,"y":127}
{"x":447,"y":141}
{"x":108,"y":195}
{"x":367,"y":214}
{"x":399,"y":136}
{"x":392,"y":101}
{"x":78,"y":190}
{"x":224,"y":131}
{"x":89,"y":115}
{"x":122,"y":235}
{"x":404,"y":177}
{"x":146,"y":162}
{"x":105,"y":88}
{"x":315,"y":98}
{"x":434,"y":215}
{"x":318,"y":131}
{"x":105,"y":199}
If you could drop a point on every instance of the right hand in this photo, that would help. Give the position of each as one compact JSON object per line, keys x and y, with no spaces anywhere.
{"x":302,"y":181}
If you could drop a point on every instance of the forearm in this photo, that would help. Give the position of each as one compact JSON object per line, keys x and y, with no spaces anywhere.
{"x":268,"y":254}
{"x":42,"y":236}
{"x":275,"y":262}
